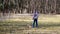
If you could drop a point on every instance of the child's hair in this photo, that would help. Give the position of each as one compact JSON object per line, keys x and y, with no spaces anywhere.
{"x":36,"y":11}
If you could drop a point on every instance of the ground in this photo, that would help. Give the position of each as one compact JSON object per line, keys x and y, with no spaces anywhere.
{"x":48,"y":24}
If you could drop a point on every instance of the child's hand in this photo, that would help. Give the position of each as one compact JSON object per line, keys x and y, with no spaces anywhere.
{"x":33,"y":17}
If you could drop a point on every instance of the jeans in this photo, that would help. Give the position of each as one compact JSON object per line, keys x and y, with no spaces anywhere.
{"x":35,"y":21}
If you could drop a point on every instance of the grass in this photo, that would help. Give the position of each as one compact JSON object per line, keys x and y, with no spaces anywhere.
{"x":46,"y":23}
{"x":21,"y":25}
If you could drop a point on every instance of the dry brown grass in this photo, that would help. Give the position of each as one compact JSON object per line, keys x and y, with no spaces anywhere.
{"x":48,"y":24}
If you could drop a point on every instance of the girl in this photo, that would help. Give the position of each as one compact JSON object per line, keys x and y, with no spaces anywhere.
{"x":35,"y":18}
